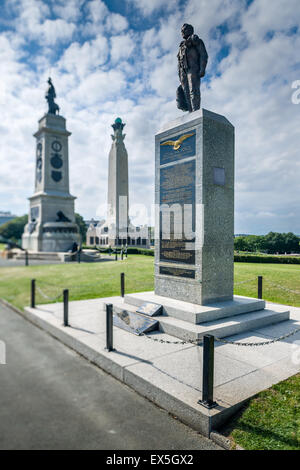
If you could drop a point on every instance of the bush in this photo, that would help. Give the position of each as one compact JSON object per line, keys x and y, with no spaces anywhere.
{"x":13,"y":229}
{"x":130,"y":250}
{"x":266,"y":259}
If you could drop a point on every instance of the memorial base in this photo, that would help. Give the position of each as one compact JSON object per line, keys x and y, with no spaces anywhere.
{"x":191,"y":322}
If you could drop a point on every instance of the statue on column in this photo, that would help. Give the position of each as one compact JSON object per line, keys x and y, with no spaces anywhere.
{"x":192,"y":61}
{"x":53,"y":108}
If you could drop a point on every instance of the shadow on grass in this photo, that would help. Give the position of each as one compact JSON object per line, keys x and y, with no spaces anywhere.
{"x":259,"y":433}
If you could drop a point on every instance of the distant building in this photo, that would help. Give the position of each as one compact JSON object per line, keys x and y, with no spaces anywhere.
{"x":93,"y":222}
{"x":6,"y":217}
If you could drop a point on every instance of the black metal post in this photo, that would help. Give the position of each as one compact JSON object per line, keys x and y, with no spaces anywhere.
{"x":121,"y":253}
{"x":109,"y":328}
{"x":122,"y":284}
{"x":32,"y":293}
{"x":260,"y":287}
{"x":26,"y":258}
{"x":208,"y":373}
{"x":66,"y":307}
{"x":116,"y":255}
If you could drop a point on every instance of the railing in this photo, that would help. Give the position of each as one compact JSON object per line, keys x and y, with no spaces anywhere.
{"x":207,"y":341}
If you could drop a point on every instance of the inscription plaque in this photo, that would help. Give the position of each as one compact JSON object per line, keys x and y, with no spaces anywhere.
{"x":177,"y":216}
{"x":219,"y":176}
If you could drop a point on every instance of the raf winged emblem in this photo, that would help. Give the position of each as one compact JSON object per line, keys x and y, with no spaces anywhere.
{"x":177,"y":143}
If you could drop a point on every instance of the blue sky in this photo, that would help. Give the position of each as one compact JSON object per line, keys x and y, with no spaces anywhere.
{"x":118,"y":58}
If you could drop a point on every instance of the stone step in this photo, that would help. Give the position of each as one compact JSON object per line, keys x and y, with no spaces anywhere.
{"x":225,"y":327}
{"x":38,"y":256}
{"x":221,"y":328}
{"x":197,"y":314}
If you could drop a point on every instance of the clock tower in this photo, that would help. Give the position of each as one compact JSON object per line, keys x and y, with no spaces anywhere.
{"x":51,"y":223}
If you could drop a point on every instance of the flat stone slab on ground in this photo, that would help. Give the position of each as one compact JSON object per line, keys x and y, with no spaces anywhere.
{"x":171,"y":374}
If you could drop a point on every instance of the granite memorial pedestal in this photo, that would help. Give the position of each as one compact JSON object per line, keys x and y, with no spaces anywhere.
{"x":195,"y":183}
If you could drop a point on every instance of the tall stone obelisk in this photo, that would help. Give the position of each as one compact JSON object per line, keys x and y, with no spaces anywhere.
{"x":117,"y":222}
{"x":51,"y":225}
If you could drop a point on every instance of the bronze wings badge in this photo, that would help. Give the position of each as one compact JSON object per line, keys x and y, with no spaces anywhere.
{"x":177,"y":143}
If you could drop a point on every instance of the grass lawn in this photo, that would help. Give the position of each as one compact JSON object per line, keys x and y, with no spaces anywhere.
{"x":2,"y":246}
{"x":272,"y":419}
{"x":91,"y":280}
{"x":84,"y":280}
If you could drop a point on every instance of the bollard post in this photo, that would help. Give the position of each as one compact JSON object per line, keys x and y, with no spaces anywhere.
{"x":208,"y":373}
{"x":122,"y":254}
{"x":260,"y":287}
{"x":122,"y":284}
{"x":116,"y":255}
{"x":26,"y":258}
{"x":66,"y":307}
{"x":109,"y":328}
{"x":32,"y":293}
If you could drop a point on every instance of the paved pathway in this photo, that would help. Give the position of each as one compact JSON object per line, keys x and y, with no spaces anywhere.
{"x":52,"y":398}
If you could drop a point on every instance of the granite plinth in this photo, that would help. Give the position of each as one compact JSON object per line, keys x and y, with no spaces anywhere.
{"x":194,"y":195}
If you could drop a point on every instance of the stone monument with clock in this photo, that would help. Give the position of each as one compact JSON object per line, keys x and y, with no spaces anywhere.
{"x":51,"y":223}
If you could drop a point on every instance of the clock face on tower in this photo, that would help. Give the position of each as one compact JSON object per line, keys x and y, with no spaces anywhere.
{"x":39,"y":162}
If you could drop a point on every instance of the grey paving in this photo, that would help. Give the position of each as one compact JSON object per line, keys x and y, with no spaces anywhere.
{"x":51,"y":398}
{"x":6,"y":263}
{"x":170,"y":374}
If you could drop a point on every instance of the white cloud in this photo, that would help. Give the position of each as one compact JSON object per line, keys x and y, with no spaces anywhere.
{"x":116,"y":23}
{"x":81,"y":59}
{"x":121,"y":47}
{"x":33,"y":23}
{"x":98,"y":11}
{"x":147,"y":7}
{"x":70,"y":10}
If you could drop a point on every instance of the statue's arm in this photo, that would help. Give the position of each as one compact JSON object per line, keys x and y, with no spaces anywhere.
{"x":203,"y":55}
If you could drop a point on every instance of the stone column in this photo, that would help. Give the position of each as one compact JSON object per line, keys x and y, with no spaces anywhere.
{"x":51,"y":226}
{"x":194,"y":189}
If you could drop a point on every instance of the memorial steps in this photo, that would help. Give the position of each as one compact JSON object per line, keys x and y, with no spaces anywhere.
{"x":223,"y":322}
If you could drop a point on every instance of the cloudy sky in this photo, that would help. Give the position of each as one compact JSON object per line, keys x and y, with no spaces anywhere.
{"x":114,"y":58}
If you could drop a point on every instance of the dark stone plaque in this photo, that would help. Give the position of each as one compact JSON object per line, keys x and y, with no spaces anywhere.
{"x":219,"y":176}
{"x":178,"y":147}
{"x":177,"y":187}
{"x":56,"y":176}
{"x":133,"y":322}
{"x":178,"y":272}
{"x":34,"y":213}
{"x":150,"y":309}
{"x":56,"y":160}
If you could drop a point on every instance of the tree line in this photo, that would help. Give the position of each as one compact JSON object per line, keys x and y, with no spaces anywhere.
{"x":272,"y":243}
{"x":13,"y":229}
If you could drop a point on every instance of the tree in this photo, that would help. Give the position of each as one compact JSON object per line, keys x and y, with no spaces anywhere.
{"x":82,"y":227}
{"x":13,"y":229}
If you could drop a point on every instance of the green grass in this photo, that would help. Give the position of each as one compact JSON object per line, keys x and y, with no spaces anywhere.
{"x":84,"y":280}
{"x":2,"y":246}
{"x":277,"y":278}
{"x":91,"y":280}
{"x":271,"y":420}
